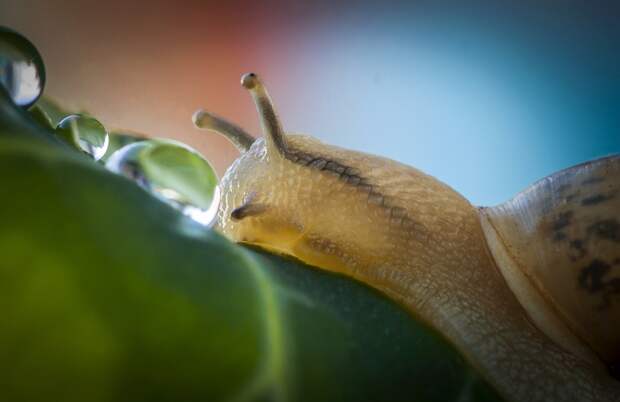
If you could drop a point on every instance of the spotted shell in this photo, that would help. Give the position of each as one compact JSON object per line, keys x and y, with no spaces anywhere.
{"x":558,"y":245}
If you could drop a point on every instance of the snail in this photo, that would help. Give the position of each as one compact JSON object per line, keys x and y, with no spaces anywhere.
{"x":528,"y":291}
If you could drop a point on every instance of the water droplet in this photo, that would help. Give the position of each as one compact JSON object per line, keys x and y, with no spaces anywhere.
{"x":172,"y":172}
{"x":119,"y":139}
{"x":22,"y":73}
{"x":85,"y":133}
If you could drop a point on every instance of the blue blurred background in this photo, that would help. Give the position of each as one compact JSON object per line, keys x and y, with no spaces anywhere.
{"x":488,"y":96}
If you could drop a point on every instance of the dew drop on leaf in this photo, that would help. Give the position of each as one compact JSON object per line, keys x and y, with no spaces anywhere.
{"x":172,"y":172}
{"x":85,"y":133}
{"x":22,"y":73}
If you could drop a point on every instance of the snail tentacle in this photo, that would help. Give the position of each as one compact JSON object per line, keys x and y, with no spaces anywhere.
{"x":272,"y":129}
{"x":239,"y":137}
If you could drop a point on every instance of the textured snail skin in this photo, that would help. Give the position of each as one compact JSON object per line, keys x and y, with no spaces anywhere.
{"x":416,"y":240}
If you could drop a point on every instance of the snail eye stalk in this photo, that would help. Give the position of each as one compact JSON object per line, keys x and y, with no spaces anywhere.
{"x":235,"y":134}
{"x":272,"y":129}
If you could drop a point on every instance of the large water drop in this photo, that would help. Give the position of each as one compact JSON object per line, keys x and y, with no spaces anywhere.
{"x":86,"y":133}
{"x":174,"y":173}
{"x":22,"y":73}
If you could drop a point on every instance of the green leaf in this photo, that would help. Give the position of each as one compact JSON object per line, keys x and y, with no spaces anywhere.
{"x":15,"y":121}
{"x":39,"y":115}
{"x":108,"y":294}
{"x":48,"y":108}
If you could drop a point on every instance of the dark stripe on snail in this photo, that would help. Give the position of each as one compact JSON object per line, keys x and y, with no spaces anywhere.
{"x":350,"y":176}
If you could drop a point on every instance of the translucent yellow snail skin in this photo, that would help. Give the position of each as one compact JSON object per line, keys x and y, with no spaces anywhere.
{"x":529,"y":290}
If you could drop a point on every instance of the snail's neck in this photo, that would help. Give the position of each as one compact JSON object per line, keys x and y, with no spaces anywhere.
{"x":453,"y":284}
{"x":441,"y":269}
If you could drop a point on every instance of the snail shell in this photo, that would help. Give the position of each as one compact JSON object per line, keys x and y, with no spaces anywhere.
{"x":558,"y":245}
{"x":527,"y":291}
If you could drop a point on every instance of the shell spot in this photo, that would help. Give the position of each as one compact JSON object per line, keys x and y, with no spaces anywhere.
{"x":597,"y":199}
{"x":608,"y":229}
{"x":577,"y":250}
{"x":594,"y":279}
{"x":593,"y":180}
{"x":561,"y":222}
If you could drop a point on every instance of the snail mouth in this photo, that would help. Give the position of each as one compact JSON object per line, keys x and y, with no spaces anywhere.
{"x":301,"y":251}
{"x":276,"y":237}
{"x":275,"y":249}
{"x":292,"y":242}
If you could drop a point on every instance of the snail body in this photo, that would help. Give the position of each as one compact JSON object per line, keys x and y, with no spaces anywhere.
{"x":484,"y":277}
